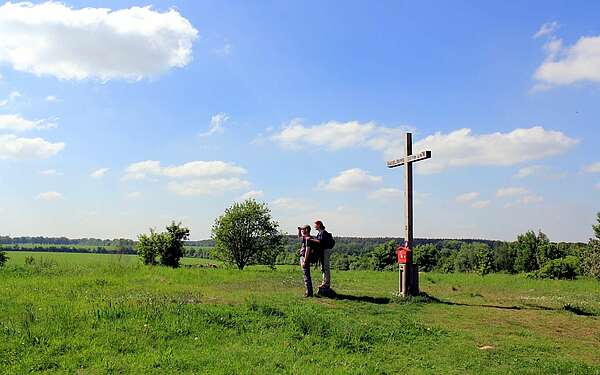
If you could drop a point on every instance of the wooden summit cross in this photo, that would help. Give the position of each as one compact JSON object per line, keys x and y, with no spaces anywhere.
{"x":408,"y":279}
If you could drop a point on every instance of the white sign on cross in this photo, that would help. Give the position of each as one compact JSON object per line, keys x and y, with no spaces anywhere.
{"x":409,"y":282}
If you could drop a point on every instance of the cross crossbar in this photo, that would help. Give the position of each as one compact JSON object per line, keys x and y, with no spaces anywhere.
{"x":411,"y":159}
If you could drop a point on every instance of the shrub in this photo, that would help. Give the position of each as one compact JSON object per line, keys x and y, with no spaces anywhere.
{"x":426,"y":256}
{"x":382,"y":256}
{"x":3,"y":258}
{"x":563,"y":268}
{"x":168,"y":245}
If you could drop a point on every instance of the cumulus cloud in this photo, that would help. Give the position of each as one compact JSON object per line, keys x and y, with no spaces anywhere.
{"x":212,"y":168}
{"x":462,"y":148}
{"x":565,"y":65}
{"x":540,"y":171}
{"x":531,"y":198}
{"x":351,"y":180}
{"x":50,"y":172}
{"x":334,"y":135}
{"x":208,"y":186}
{"x":481,"y":204}
{"x":251,"y":194}
{"x":54,"y":39}
{"x":99,"y":173}
{"x":511,"y":191}
{"x":546,"y":29}
{"x":48,"y":196}
{"x":16,"y":122}
{"x":13,"y":147}
{"x":592,"y":168}
{"x":216,"y":124}
{"x":467,"y":197}
{"x":458,"y":148}
{"x":385,"y":194}
{"x":51,"y":98}
{"x":14,"y":95}
{"x":297,"y":205}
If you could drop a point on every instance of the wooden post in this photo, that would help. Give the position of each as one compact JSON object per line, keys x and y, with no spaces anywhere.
{"x":408,"y":278}
{"x":408,"y":213}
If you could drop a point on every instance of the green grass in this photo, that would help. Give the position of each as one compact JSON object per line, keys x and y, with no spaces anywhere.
{"x":96,"y":314}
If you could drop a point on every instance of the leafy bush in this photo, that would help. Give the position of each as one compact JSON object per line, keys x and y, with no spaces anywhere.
{"x":3,"y":258}
{"x":246,"y":234}
{"x":426,"y":256}
{"x":563,"y":268}
{"x":168,"y":245}
{"x":382,"y":256}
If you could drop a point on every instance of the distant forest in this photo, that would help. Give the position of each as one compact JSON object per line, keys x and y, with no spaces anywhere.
{"x":355,"y":246}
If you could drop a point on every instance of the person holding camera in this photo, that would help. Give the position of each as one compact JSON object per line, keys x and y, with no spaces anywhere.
{"x":305,"y":257}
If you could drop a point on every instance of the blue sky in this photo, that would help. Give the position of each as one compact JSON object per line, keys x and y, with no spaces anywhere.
{"x":116,"y":118}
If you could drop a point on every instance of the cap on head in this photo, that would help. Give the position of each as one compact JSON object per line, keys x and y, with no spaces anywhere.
{"x":305,"y":226}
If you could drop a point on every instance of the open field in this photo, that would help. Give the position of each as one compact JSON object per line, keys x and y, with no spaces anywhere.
{"x":94,"y":313}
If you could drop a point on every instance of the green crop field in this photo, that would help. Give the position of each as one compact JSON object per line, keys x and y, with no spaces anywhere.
{"x":96,"y":314}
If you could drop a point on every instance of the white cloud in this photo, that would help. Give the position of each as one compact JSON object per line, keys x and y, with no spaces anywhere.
{"x":351,"y":180}
{"x":52,"y":38}
{"x":207,"y":187}
{"x":16,"y":122}
{"x":225,"y":50}
{"x":50,"y":172}
{"x":385,"y":194}
{"x":531,"y":198}
{"x":467,"y":197}
{"x":461,"y":148}
{"x":51,"y":98}
{"x":540,"y":171}
{"x":335,"y":135}
{"x":511,"y":191}
{"x":592,"y":168}
{"x":458,"y":148}
{"x":213,"y":168}
{"x":216,"y":124}
{"x":481,"y":204}
{"x":567,"y":65}
{"x":14,"y":95}
{"x":13,"y":147}
{"x":99,"y":173}
{"x":297,"y":205}
{"x":251,"y":194}
{"x":49,"y":196}
{"x":546,"y":29}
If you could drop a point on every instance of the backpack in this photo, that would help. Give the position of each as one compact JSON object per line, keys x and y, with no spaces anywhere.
{"x":328,"y":242}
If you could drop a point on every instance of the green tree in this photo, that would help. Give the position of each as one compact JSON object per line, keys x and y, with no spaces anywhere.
{"x":167,"y":245}
{"x":426,"y":256}
{"x":171,"y":253}
{"x":596,"y":227}
{"x":590,"y":255}
{"x":504,"y":258}
{"x":382,"y":256}
{"x":529,"y":251}
{"x":3,"y":258}
{"x":149,"y":246}
{"x":246,"y":234}
{"x":474,"y":257}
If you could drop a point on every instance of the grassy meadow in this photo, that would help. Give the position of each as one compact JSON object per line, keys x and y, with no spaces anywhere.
{"x":97,"y":314}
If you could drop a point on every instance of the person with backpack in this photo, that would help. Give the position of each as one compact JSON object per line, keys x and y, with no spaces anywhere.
{"x":324,"y":240}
